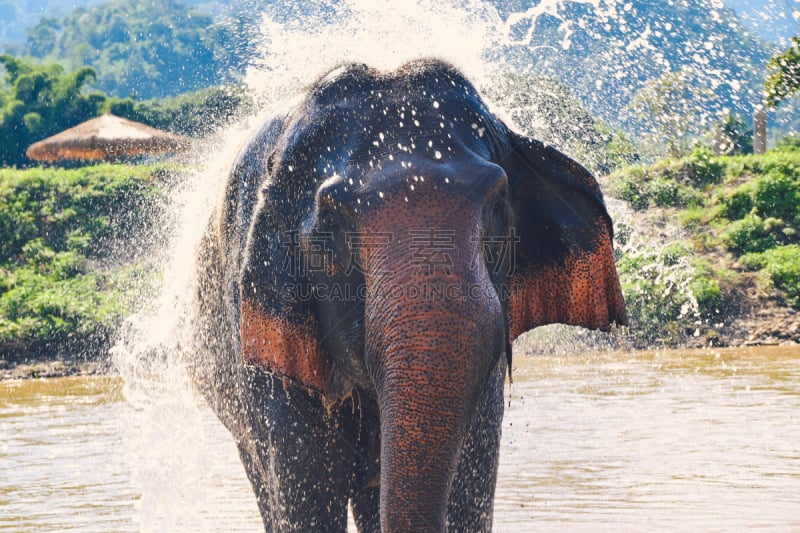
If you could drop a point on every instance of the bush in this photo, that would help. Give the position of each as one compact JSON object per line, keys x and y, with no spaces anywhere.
{"x":55,"y":226}
{"x":81,"y":209}
{"x":737,"y":204}
{"x":703,"y":168}
{"x":706,"y":290}
{"x":751,"y":234}
{"x":666,"y":292}
{"x":776,"y":195}
{"x":629,"y":185}
{"x":671,"y":183}
{"x":663,"y":192}
{"x":788,"y":143}
{"x":782,"y":265}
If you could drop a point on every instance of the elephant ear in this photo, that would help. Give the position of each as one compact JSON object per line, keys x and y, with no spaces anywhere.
{"x":279,"y":330}
{"x":564,"y":268}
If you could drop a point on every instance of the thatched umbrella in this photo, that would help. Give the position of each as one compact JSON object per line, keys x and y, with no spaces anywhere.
{"x":106,"y":138}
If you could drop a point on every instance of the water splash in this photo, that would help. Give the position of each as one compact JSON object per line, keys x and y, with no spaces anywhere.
{"x":168,"y":429}
{"x":295,"y":51}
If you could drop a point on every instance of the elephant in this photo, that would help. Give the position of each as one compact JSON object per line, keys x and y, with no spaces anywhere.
{"x":376,"y":250}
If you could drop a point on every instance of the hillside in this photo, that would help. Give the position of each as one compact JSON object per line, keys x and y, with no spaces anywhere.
{"x":710,"y":253}
{"x":142,"y":50}
{"x":605,"y":54}
{"x":771,"y":20}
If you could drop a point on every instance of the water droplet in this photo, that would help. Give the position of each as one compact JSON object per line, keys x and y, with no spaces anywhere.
{"x":380,"y":193}
{"x":437,"y":154}
{"x":435,"y":104}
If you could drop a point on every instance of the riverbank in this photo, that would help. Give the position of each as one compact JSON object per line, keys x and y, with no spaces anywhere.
{"x":708,"y":253}
{"x":771,"y":325}
{"x":709,"y":248}
{"x":59,"y":368}
{"x":75,"y":249}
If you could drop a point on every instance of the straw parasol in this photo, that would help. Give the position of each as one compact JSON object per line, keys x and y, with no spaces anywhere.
{"x":106,"y":138}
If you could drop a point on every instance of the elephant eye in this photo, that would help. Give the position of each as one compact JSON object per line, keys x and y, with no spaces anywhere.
{"x":498,"y":219}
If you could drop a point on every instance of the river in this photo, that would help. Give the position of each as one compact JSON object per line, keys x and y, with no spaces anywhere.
{"x":641,"y":441}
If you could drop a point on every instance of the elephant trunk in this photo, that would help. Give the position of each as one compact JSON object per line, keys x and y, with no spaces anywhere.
{"x":431,"y":343}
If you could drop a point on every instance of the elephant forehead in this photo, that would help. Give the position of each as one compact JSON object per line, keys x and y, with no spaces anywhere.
{"x":432,"y":229}
{"x":413,"y":180}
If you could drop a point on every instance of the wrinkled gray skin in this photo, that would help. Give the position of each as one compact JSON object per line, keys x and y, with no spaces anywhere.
{"x":405,"y":425}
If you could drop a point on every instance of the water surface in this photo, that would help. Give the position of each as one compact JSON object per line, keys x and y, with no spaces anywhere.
{"x":676,"y":440}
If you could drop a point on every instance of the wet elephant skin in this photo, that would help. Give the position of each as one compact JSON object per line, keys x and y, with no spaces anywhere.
{"x":375,"y":253}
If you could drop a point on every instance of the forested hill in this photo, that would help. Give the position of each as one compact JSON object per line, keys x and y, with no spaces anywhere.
{"x":146,"y":49}
{"x":605,"y":50}
{"x":606,"y":55}
{"x":771,"y":20}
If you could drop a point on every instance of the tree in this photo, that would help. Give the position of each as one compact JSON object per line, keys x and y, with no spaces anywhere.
{"x":731,"y":136}
{"x":40,"y":101}
{"x":672,"y":109}
{"x":193,"y":114}
{"x":548,"y":110}
{"x":783,"y":78}
{"x":142,"y":49}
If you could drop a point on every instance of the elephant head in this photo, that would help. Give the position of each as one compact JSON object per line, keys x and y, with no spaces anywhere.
{"x":403,"y":238}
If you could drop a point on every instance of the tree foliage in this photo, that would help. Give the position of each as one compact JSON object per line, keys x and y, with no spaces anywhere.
{"x":142,"y":49}
{"x":193,"y":114}
{"x":548,"y":110}
{"x":674,"y":108}
{"x":42,"y":100}
{"x":39,"y":101}
{"x":783,"y":80}
{"x":731,"y":136}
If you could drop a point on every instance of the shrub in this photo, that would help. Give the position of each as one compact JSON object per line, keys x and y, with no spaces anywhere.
{"x":706,"y":290}
{"x":776,"y":195}
{"x":782,"y":265}
{"x":788,"y":143}
{"x":703,"y":168}
{"x":664,"y":192}
{"x":751,"y":234}
{"x":67,"y":209}
{"x":737,"y":204}
{"x":629,"y":185}
{"x":55,"y":225}
{"x":666,"y":292}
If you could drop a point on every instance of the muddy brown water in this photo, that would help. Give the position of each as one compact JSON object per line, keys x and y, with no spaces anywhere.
{"x":644,"y":441}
